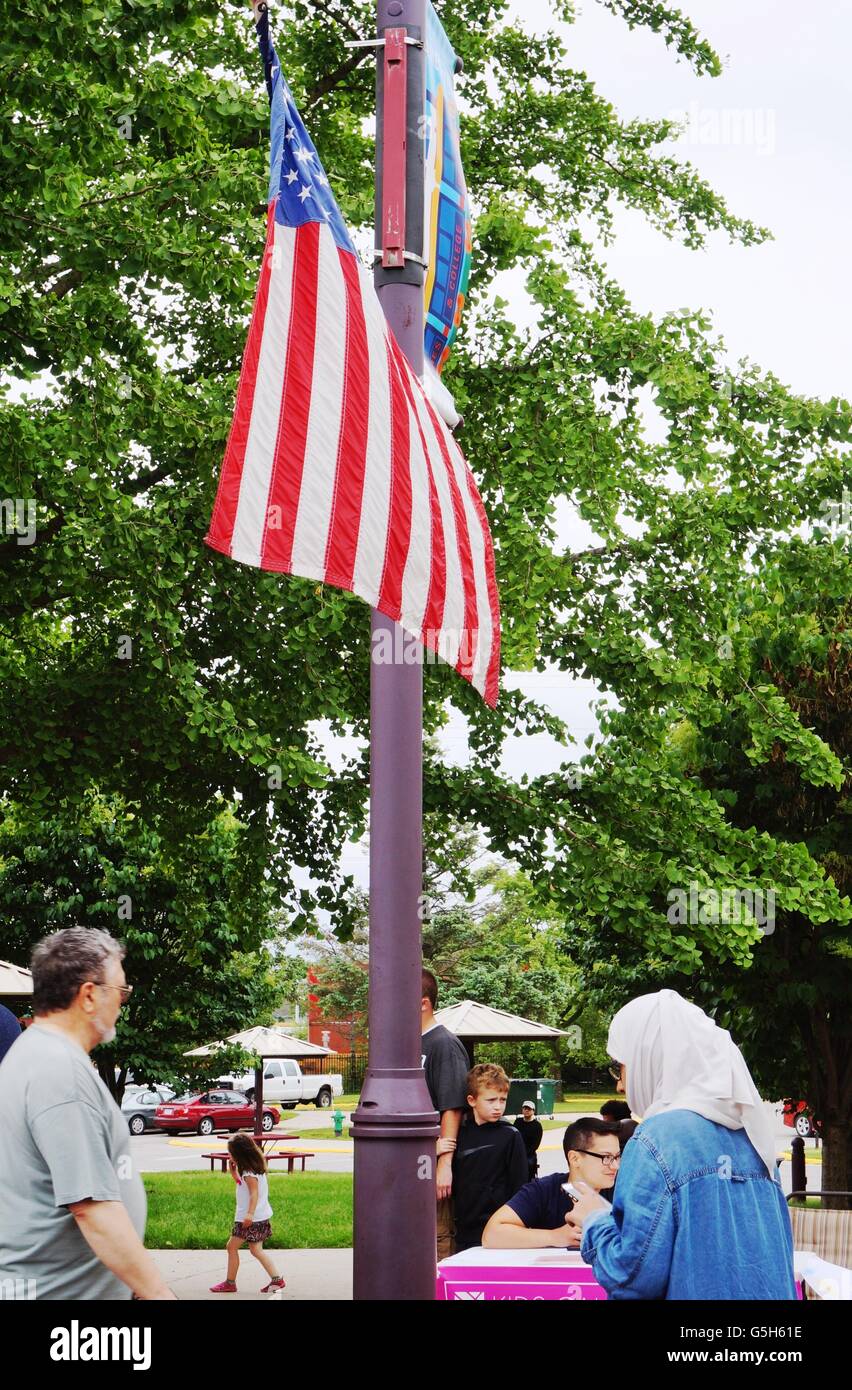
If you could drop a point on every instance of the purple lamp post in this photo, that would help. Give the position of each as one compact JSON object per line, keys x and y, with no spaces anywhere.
{"x":395,"y":1125}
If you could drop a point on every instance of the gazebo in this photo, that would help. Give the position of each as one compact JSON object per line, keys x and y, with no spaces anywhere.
{"x":264,"y":1043}
{"x":475,"y":1023}
{"x":14,"y":979}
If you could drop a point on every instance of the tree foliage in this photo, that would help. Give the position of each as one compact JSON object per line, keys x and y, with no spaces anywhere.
{"x":195,"y":932}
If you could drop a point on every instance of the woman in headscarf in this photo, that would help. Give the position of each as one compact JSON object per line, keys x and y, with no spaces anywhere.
{"x":698,"y":1209}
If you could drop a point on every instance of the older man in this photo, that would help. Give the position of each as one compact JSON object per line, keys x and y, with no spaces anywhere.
{"x":72,"y":1209}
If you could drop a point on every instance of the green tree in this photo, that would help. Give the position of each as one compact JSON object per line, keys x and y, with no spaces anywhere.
{"x":195,"y":932}
{"x":721,"y":803}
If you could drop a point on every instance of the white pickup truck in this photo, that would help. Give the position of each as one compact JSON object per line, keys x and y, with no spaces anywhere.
{"x":285,"y":1083}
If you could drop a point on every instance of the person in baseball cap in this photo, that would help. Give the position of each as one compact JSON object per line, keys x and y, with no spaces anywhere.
{"x":531,"y":1132}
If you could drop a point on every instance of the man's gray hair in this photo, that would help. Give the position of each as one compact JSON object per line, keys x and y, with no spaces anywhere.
{"x":67,"y":959}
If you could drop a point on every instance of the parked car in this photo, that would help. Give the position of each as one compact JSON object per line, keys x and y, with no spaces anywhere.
{"x":209,"y":1110}
{"x":284,"y":1081}
{"x":799,"y":1116}
{"x":139,"y":1103}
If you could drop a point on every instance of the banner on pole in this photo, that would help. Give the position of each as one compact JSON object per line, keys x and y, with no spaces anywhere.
{"x":447,"y":222}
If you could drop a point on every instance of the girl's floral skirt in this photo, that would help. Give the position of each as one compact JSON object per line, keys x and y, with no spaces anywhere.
{"x":253,"y":1234}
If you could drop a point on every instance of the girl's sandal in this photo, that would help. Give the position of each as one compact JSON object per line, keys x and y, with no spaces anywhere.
{"x":277,"y":1283}
{"x":226,"y":1286}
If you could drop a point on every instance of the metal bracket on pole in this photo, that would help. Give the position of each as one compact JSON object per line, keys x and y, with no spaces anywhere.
{"x":409,"y":256}
{"x":380,"y":43}
{"x":395,"y":147}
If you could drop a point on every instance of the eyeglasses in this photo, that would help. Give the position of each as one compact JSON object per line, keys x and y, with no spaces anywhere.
{"x":607,"y":1160}
{"x":124,"y":990}
{"x":614,"y":1070}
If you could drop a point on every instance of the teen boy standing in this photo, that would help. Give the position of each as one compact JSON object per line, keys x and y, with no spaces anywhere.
{"x":445,"y":1063}
{"x":490,"y":1161}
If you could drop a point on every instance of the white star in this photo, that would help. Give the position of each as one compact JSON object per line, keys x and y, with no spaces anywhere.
{"x":303,"y":155}
{"x":290,"y":134}
{"x":322,"y":180}
{"x":305,"y":193}
{"x":292,"y":176}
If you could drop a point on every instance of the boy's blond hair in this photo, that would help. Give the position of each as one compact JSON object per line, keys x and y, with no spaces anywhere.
{"x":486,"y":1074}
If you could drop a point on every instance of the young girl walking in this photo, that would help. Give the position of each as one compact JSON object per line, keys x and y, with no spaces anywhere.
{"x":251,"y":1224}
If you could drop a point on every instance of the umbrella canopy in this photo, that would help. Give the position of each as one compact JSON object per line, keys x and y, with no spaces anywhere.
{"x":480,"y":1023}
{"x":264,"y":1042}
{"x":14,"y":979}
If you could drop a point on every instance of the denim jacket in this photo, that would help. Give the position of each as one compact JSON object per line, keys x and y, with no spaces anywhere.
{"x":695,"y":1215}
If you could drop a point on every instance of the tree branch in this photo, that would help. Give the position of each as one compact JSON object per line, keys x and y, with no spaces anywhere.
{"x":329,"y":82}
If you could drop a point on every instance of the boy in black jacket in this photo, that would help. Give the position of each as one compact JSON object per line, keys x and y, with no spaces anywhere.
{"x":490,"y":1161}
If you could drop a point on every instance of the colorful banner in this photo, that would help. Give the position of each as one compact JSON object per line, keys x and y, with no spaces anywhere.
{"x":447,"y":225}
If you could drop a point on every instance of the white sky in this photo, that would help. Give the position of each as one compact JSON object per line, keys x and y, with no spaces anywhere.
{"x":772,"y":136}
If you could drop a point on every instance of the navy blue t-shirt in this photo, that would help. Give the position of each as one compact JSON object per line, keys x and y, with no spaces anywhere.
{"x":542,"y":1205}
{"x":10,"y":1029}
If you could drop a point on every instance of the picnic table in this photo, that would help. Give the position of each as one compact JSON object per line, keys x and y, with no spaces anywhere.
{"x":289,"y":1155}
{"x":269,"y":1136}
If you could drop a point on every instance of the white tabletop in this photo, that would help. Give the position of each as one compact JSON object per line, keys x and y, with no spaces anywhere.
{"x":554,"y":1258}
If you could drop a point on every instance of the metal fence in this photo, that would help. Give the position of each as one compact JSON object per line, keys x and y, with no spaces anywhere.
{"x":351,"y":1065}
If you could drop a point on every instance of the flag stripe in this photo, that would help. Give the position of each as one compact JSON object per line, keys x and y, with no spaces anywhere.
{"x":375,"y":500}
{"x":468,"y":636}
{"x":432,"y":619}
{"x":455,"y":599}
{"x":398,"y":537}
{"x":485,"y":616}
{"x":286,"y":480}
{"x":225,"y":508}
{"x":352,"y":449}
{"x":423,"y":546}
{"x":491,"y":683}
{"x":319,"y":474}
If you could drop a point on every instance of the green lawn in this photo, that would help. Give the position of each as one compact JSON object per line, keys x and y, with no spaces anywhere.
{"x":313,"y":1134}
{"x":195,"y":1211}
{"x":585,"y":1100}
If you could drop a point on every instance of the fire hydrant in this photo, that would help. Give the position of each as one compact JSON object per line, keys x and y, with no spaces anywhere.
{"x":338,"y":1117}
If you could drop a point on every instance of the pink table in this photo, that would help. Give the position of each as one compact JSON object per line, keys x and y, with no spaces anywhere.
{"x":516,"y":1276}
{"x":523,"y":1276}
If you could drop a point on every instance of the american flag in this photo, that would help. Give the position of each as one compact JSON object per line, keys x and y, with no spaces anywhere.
{"x":337,"y":467}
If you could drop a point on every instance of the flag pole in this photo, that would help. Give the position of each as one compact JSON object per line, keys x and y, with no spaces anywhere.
{"x":395,"y":1126}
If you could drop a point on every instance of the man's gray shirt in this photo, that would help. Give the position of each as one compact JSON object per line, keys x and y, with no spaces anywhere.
{"x":63,"y":1139}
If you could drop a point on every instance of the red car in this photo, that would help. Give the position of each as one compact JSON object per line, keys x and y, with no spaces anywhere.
{"x":212,"y":1110}
{"x":799,"y":1116}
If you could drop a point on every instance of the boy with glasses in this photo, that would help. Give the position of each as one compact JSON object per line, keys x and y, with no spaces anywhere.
{"x":536,"y":1216}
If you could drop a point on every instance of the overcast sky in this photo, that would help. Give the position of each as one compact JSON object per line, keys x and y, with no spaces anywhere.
{"x":772,"y":135}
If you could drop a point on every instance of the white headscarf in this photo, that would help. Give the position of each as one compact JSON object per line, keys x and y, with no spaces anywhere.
{"x":678,"y":1059}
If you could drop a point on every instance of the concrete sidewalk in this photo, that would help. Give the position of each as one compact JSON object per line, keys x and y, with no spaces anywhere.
{"x":311,"y":1275}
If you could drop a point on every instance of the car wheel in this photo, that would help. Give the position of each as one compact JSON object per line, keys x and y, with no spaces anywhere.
{"x":324,"y":1100}
{"x":136,"y":1124}
{"x":803,"y":1125}
{"x":267,"y":1123}
{"x":206,"y":1125}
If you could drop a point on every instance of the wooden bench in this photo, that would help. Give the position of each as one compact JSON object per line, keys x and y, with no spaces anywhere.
{"x":288,"y":1155}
